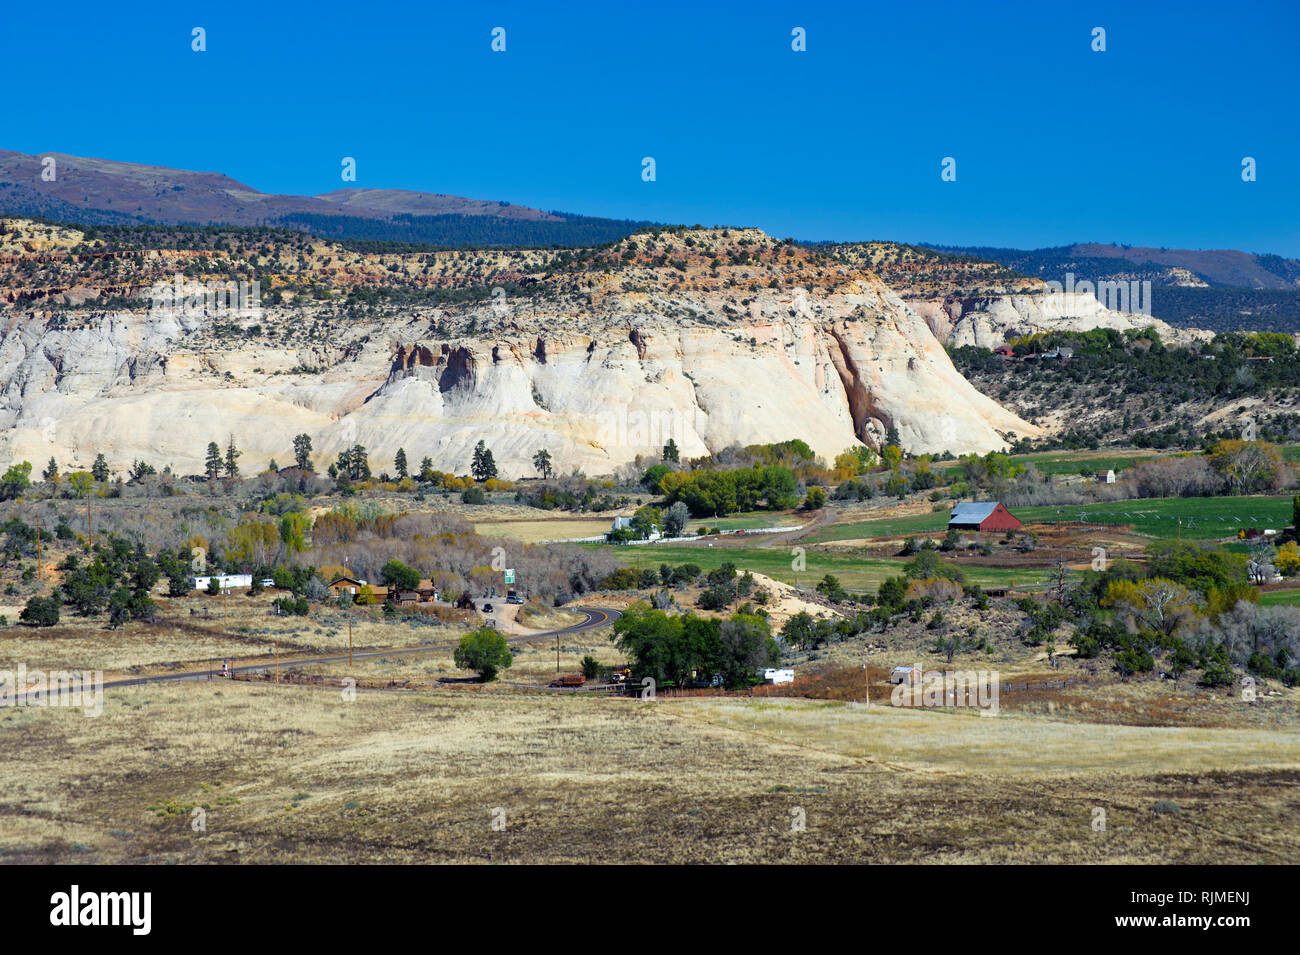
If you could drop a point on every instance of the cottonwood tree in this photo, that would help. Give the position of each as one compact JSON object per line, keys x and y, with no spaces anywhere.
{"x":674,"y":519}
{"x":399,"y":575}
{"x":1246,"y":465}
{"x":1156,"y":604}
{"x":16,"y":480}
{"x":483,"y":650}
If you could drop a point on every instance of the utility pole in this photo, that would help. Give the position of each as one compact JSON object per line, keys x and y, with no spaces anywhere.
{"x":277,"y":662}
{"x":38,"y":547}
{"x":557,"y":653}
{"x":349,"y":642}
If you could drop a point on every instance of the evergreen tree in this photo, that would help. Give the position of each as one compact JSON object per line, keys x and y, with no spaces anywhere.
{"x":399,"y":464}
{"x":671,"y":454}
{"x":212,"y":464}
{"x":426,"y":469}
{"x":354,"y":463}
{"x":232,"y":456}
{"x":483,"y":466}
{"x":100,"y":468}
{"x":542,"y":462}
{"x":51,"y":470}
{"x":302,"y":452}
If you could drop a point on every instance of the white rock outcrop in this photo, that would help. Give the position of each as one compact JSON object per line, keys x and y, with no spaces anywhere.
{"x":594,"y":387}
{"x":987,"y":321}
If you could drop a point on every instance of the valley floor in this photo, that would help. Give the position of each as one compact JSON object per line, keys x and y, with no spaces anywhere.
{"x":297,"y":774}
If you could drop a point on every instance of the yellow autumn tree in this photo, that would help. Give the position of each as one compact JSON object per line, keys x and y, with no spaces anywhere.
{"x":1288,"y":559}
{"x":1155,"y":604}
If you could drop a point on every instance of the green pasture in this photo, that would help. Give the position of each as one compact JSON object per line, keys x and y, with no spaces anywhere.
{"x":1202,"y":518}
{"x":855,"y":574}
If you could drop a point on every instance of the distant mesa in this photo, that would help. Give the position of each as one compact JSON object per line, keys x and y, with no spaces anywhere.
{"x":106,"y":192}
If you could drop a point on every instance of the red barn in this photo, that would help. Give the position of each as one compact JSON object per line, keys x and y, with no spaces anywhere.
{"x":982,"y":516}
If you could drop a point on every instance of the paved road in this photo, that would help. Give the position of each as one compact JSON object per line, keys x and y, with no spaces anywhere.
{"x":595,"y":617}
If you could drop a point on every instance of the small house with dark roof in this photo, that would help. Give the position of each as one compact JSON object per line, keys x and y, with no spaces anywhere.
{"x":982,"y":516}
{"x":346,"y":585}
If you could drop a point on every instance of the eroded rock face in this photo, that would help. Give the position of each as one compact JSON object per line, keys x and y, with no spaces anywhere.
{"x":595,"y":396}
{"x":734,"y":339}
{"x":987,"y":321}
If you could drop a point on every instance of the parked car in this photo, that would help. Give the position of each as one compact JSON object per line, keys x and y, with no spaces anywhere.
{"x":486,"y":608}
{"x":513,"y":598}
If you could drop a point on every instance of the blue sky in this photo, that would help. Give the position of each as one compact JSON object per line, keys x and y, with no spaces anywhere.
{"x":1054,"y":143}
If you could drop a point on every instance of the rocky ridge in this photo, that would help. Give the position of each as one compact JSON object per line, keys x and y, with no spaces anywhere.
{"x":711,"y":337}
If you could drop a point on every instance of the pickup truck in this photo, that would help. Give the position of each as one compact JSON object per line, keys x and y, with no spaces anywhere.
{"x":569,"y":680}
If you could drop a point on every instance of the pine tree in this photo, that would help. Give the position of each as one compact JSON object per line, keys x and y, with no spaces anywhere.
{"x":671,"y":455}
{"x":302,"y":452}
{"x":212,"y":464}
{"x":426,"y":469}
{"x":51,"y":470}
{"x":542,"y":462}
{"x":99,"y":470}
{"x":483,"y":466}
{"x":399,"y":464}
{"x":232,"y":456}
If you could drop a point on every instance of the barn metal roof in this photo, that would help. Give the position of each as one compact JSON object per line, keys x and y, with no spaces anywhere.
{"x":972,"y":512}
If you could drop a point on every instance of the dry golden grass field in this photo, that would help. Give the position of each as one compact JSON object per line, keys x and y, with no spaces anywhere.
{"x":533,"y":531}
{"x":297,"y":774}
{"x":238,"y":627}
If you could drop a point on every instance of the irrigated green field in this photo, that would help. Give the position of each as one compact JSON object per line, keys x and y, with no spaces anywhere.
{"x":1071,"y":462}
{"x":1203,"y":518}
{"x":1275,"y":598}
{"x":859,"y":574}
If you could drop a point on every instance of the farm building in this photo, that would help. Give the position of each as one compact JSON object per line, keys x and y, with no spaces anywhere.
{"x":982,"y":516}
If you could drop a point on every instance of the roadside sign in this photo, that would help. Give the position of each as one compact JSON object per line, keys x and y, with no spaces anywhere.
{"x":510,"y":575}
